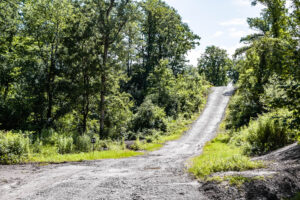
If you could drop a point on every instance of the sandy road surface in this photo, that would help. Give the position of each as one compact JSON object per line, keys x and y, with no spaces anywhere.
{"x":157,"y":175}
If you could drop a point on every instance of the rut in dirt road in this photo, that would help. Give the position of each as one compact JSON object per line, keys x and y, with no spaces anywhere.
{"x":157,"y":175}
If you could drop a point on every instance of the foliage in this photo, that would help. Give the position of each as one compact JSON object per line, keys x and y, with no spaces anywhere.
{"x":136,"y":145}
{"x":214,"y":64}
{"x":14,"y":147}
{"x":269,"y":132}
{"x":83,"y":143}
{"x":70,"y":68}
{"x":149,"y":116}
{"x":65,"y":144}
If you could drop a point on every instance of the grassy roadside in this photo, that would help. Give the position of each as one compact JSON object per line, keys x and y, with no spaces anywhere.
{"x":49,"y":154}
{"x":60,"y":148}
{"x":78,"y":157}
{"x":220,"y":156}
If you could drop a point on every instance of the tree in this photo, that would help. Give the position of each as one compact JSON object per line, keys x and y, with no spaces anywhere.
{"x":44,"y":24}
{"x":272,"y":23}
{"x":214,"y":64}
{"x":110,"y":18}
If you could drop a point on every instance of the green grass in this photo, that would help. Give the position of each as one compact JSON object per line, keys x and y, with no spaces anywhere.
{"x":219,"y":156}
{"x":151,"y":146}
{"x":78,"y":157}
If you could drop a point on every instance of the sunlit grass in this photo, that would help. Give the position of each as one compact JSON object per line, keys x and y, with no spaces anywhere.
{"x":151,"y":146}
{"x":77,"y":157}
{"x":218,"y":156}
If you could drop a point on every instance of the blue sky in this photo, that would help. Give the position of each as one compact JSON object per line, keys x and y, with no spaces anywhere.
{"x":217,"y":22}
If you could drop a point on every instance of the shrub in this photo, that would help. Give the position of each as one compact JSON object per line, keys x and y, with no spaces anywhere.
{"x":83,"y":143}
{"x":37,"y":146}
{"x":49,"y":136}
{"x":64,"y":144}
{"x":242,"y":108}
{"x":137,"y":145}
{"x":14,"y":147}
{"x":149,"y":116}
{"x":269,"y":132}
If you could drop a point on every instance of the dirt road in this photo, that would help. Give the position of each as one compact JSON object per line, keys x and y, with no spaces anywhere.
{"x":157,"y":175}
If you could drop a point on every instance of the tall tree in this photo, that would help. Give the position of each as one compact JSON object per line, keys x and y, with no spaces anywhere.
{"x":44,"y":24}
{"x":110,"y":18}
{"x":214,"y":64}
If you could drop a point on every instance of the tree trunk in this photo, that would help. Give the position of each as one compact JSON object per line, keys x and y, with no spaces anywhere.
{"x":50,"y":92}
{"x":86,"y":100}
{"x":103,"y":89}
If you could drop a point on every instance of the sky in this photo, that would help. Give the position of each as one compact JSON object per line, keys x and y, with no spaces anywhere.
{"x":218,"y":22}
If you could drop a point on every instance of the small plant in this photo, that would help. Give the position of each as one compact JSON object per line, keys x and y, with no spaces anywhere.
{"x":137,"y":145}
{"x":83,"y":143}
{"x":37,"y":146}
{"x":65,"y":144}
{"x":14,"y":147}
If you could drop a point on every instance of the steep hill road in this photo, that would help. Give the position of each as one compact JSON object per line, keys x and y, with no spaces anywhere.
{"x":158,"y":175}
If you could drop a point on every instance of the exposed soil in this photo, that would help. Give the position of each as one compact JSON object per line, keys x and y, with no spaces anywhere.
{"x":280,"y":180}
{"x":158,"y":175}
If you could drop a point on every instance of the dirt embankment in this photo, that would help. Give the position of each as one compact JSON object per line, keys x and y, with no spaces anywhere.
{"x":280,"y":180}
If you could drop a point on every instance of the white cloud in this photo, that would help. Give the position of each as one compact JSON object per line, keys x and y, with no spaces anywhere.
{"x":234,"y":22}
{"x":231,"y":49}
{"x":217,"y":34}
{"x":193,"y":56}
{"x":235,"y":33}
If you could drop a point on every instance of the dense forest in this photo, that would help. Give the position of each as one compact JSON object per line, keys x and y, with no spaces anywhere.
{"x":72,"y":70}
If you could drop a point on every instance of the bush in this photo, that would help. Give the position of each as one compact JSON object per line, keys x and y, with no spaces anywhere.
{"x":149,"y":116}
{"x":269,"y":132}
{"x":36,"y":147}
{"x":14,"y":147}
{"x":65,"y":144}
{"x":242,"y":108}
{"x":49,"y":136}
{"x":83,"y":143}
{"x":137,"y":145}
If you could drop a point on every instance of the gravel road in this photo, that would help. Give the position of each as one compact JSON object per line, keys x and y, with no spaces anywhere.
{"x":158,"y":175}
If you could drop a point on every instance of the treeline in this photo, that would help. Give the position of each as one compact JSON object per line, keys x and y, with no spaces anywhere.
{"x":264,"y":114}
{"x":115,"y":68}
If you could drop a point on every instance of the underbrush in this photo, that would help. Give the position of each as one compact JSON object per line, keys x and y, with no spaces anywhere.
{"x":14,"y":147}
{"x":151,"y":127}
{"x":54,"y":147}
{"x":175,"y":130}
{"x":220,"y":156}
{"x":267,"y":133}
